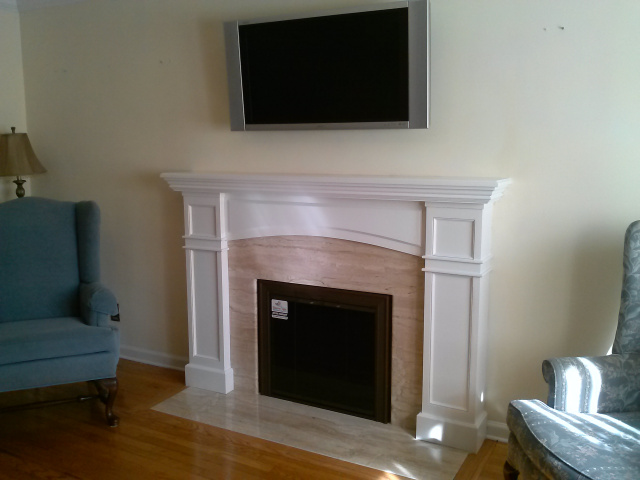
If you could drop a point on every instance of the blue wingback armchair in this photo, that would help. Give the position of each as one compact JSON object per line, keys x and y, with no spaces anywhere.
{"x":590,"y":426}
{"x":55,"y":314}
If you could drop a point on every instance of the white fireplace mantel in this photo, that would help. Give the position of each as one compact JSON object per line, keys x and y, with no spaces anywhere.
{"x":447,"y":221}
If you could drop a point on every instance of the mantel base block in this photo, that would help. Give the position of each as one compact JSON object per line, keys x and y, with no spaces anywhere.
{"x":208,"y":378}
{"x":452,"y":433}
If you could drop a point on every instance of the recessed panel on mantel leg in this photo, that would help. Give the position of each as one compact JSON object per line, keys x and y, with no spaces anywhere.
{"x":206,"y":340}
{"x":202,"y":221}
{"x":450,"y":329}
{"x":453,"y":237}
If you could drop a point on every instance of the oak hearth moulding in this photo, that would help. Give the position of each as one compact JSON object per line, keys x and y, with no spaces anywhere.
{"x":445,"y":220}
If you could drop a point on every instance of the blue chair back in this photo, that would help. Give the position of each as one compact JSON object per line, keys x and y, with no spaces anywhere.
{"x":627,"y":339}
{"x":47,"y":247}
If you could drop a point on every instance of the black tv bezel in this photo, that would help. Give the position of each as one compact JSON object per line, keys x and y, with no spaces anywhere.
{"x":419,"y":70}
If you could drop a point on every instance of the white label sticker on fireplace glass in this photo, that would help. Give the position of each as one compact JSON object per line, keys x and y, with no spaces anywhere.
{"x":279,"y":309}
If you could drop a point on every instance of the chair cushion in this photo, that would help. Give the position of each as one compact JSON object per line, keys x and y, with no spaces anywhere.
{"x":47,"y":338}
{"x":599,"y":446}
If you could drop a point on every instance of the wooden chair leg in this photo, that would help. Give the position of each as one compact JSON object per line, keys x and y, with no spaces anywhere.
{"x":107,"y":390}
{"x":509,"y":472}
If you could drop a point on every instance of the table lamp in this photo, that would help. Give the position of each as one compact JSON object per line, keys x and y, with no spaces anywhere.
{"x":17,"y":158}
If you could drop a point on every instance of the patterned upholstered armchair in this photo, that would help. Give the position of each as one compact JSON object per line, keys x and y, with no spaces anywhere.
{"x":590,"y":426}
{"x":54,"y":312}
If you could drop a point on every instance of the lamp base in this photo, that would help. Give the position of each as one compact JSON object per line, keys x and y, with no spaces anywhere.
{"x":20,"y":190}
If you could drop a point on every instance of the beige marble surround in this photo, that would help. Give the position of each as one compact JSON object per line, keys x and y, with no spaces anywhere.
{"x":337,"y":264}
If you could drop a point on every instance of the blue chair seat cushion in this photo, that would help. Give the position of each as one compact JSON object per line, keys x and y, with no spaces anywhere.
{"x":48,"y":338}
{"x":599,"y":446}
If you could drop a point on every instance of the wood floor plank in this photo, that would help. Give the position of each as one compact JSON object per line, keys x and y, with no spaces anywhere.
{"x":15,"y":468}
{"x":73,"y":441}
{"x":474,"y":463}
{"x":492,"y":468}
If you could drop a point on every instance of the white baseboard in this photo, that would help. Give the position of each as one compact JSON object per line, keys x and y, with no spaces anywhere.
{"x":497,"y":431}
{"x":152,"y":357}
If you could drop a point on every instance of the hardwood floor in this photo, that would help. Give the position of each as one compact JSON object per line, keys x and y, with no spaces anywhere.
{"x":486,"y":464}
{"x":73,"y":441}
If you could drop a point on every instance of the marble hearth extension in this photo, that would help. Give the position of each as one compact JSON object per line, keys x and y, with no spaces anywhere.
{"x":447,"y":221}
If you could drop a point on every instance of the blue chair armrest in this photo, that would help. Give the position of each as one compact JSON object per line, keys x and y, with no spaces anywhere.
{"x":604,"y":384}
{"x":97,"y":304}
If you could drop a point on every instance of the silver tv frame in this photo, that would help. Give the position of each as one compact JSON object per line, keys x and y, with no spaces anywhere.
{"x":419,"y":70}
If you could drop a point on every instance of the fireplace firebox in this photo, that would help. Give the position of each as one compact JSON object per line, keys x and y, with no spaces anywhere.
{"x":325,"y":347}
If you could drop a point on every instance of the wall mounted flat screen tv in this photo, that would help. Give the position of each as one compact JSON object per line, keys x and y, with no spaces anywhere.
{"x":358,"y":68}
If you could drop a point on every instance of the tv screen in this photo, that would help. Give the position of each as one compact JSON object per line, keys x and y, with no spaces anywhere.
{"x":355,"y":69}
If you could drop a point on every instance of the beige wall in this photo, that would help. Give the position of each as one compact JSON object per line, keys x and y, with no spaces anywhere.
{"x":544,"y":92}
{"x":12,"y":103}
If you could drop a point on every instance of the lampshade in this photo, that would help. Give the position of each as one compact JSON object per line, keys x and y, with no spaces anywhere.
{"x":17,"y":156}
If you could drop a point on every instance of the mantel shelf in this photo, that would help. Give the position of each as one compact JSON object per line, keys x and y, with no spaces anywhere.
{"x":421,"y":189}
